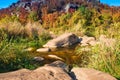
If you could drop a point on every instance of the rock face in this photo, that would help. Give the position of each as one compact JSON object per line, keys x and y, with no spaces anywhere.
{"x":90,"y":74}
{"x":42,"y":73}
{"x":66,"y":39}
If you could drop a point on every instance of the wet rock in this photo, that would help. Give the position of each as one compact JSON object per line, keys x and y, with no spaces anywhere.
{"x":54,"y":57}
{"x":42,"y":73}
{"x":43,"y":50}
{"x":90,"y":74}
{"x":38,"y":59}
{"x":64,"y":40}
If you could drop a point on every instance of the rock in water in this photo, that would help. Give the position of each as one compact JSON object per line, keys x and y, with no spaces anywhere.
{"x":38,"y":59}
{"x":64,"y":40}
{"x":90,"y":74}
{"x":43,"y":50}
{"x":55,"y":57}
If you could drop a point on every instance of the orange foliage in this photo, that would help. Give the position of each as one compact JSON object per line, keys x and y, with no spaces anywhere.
{"x":49,"y":19}
{"x":23,"y":14}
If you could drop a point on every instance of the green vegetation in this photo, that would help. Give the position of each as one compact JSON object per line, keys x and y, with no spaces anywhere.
{"x":14,"y":39}
{"x":100,"y":57}
{"x":90,"y":22}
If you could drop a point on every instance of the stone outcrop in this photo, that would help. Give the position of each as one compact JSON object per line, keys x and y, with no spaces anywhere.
{"x":57,"y":70}
{"x":90,"y":74}
{"x":64,"y":40}
{"x":42,"y":73}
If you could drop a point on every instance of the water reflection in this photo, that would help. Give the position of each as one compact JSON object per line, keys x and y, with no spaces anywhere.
{"x":68,"y":55}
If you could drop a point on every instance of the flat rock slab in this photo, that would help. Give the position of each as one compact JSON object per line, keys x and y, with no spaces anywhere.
{"x":42,"y":73}
{"x":90,"y":74}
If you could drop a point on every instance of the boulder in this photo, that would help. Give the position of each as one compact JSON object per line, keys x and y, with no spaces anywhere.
{"x":64,"y":40}
{"x":87,"y":40}
{"x":43,"y":50}
{"x":58,"y":64}
{"x":38,"y":59}
{"x":42,"y":73}
{"x":90,"y":74}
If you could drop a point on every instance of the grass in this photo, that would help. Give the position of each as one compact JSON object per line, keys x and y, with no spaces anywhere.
{"x":14,"y":41}
{"x":102,"y":58}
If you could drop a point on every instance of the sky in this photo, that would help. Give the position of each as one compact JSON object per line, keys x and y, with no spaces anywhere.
{"x":6,"y":3}
{"x":111,"y":2}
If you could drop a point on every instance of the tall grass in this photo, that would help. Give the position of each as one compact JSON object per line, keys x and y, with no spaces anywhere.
{"x":103,"y":58}
{"x":14,"y":39}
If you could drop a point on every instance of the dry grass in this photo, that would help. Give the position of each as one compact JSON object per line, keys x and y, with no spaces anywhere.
{"x":17,"y":29}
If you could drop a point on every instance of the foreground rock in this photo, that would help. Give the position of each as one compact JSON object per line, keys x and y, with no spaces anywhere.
{"x":57,"y":70}
{"x":90,"y":74}
{"x":42,"y":73}
{"x":64,"y":40}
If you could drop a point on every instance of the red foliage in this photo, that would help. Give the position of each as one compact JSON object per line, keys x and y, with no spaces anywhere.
{"x":23,"y":14}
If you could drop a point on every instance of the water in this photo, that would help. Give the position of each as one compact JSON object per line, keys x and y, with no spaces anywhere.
{"x":67,"y":55}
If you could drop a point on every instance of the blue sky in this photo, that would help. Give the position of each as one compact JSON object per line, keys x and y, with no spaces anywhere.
{"x":111,"y":2}
{"x":6,"y":3}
